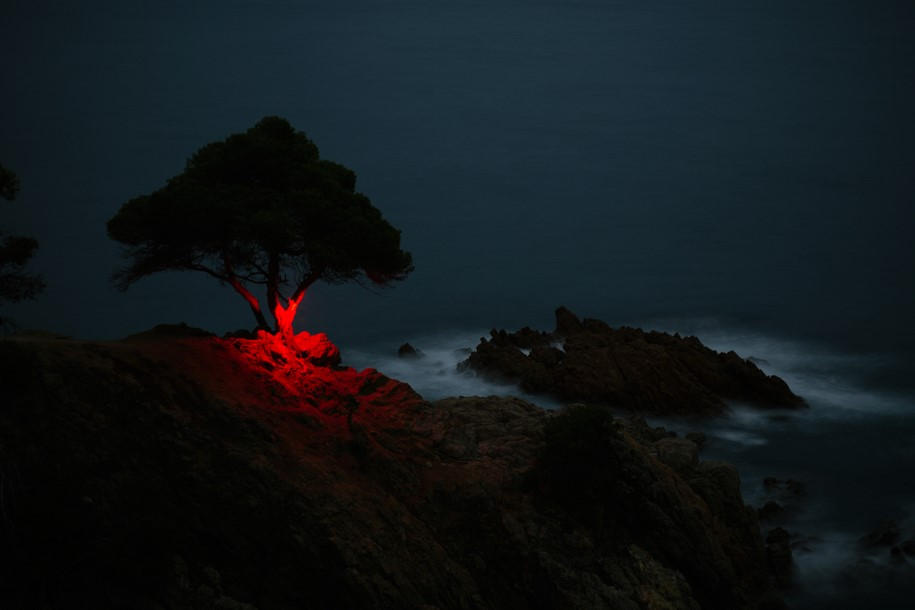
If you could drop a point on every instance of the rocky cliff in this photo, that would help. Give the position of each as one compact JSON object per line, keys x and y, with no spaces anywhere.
{"x":649,"y":372}
{"x":179,"y":470}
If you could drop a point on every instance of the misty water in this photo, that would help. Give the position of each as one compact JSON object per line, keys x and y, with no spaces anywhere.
{"x":852,"y":450}
{"x":737,"y":170}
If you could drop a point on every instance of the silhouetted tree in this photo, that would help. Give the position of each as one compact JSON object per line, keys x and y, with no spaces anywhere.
{"x":15,"y":252}
{"x":260,"y":208}
{"x":9,"y":184}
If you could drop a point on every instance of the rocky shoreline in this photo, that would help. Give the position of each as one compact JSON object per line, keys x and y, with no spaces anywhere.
{"x":647,"y":372}
{"x":196,"y":472}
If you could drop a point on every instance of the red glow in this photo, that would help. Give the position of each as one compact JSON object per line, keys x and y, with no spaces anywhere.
{"x":285,"y":315}
{"x":297,"y":386}
{"x":298,"y":378}
{"x":299,"y":373}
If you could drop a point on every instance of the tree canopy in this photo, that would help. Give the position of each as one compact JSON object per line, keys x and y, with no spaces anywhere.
{"x":9,"y":184}
{"x":260,"y":208}
{"x":15,"y":251}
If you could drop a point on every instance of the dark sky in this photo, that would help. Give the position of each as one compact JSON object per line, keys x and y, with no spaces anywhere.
{"x":745,"y":161}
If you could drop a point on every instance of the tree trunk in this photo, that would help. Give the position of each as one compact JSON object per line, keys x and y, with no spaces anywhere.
{"x":284,"y":317}
{"x":261,"y":320}
{"x":252,"y":303}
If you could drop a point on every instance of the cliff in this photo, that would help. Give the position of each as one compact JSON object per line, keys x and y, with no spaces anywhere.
{"x":180,"y":470}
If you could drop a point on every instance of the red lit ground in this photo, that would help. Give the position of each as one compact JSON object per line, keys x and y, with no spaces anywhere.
{"x":267,"y":374}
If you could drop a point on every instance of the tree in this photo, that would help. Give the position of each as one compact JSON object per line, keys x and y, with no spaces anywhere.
{"x":9,"y":184}
{"x":15,"y":252}
{"x":260,"y":208}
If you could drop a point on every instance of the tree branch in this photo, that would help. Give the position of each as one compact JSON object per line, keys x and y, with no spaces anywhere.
{"x":273,"y":278}
{"x":307,"y":281}
{"x":234,"y":281}
{"x":207,"y":270}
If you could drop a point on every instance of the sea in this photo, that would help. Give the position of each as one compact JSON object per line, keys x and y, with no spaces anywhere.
{"x":844,"y":466}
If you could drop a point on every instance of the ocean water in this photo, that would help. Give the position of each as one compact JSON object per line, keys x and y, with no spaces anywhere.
{"x":435,"y":373}
{"x":852,"y":450}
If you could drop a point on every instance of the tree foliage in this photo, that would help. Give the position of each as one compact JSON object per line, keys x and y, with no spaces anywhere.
{"x":260,"y":208}
{"x":9,"y":184}
{"x":15,"y":252}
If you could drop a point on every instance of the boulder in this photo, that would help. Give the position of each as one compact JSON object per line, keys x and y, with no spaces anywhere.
{"x":317,"y":349}
{"x":679,"y":453}
{"x":908,"y":547}
{"x":719,"y":485}
{"x":783,"y":498}
{"x":408,"y":351}
{"x":770,"y":510}
{"x":567,"y":323}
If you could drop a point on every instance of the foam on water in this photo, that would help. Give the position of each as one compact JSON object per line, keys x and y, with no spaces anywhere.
{"x":852,"y":449}
{"x":824,"y":377}
{"x":740,"y":437}
{"x":435,"y":373}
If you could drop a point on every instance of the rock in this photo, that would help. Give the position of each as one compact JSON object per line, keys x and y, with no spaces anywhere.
{"x":408,"y":351}
{"x":606,"y":479}
{"x":885,"y":534}
{"x":626,"y":367}
{"x":567,"y":323}
{"x":241,"y":333}
{"x":197,"y":458}
{"x":680,"y":454}
{"x":783,"y":499}
{"x":639,"y":428}
{"x":778,"y":551}
{"x":317,"y":349}
{"x":908,"y":547}
{"x":772,"y":602}
{"x":770,"y":510}
{"x":171,"y":330}
{"x":698,"y":438}
{"x":805,"y":544}
{"x":212,"y":577}
{"x":789,"y":487}
{"x":796,"y":487}
{"x":719,"y":485}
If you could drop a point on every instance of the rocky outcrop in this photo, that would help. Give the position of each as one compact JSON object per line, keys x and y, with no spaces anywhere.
{"x":408,"y":351}
{"x":653,"y":372}
{"x":886,"y":534}
{"x":778,"y":551}
{"x":198,"y":472}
